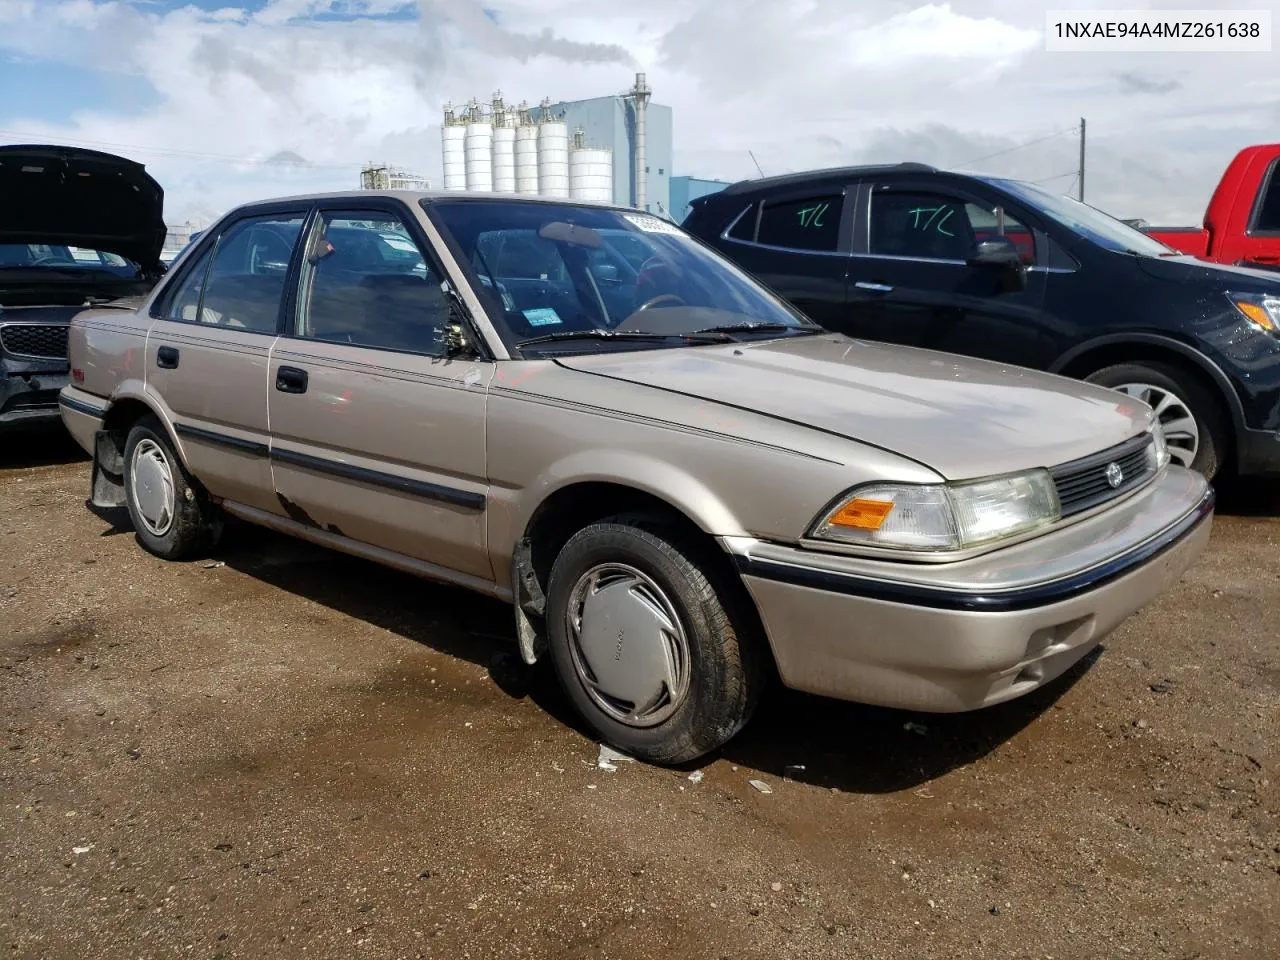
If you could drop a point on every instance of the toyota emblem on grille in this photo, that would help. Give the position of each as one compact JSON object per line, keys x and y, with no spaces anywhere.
{"x":1115,"y":476}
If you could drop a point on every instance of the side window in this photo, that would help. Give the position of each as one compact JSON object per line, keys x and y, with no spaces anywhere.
{"x":810,"y":224}
{"x":365,"y":282}
{"x":246,"y":282}
{"x":745,"y":228}
{"x":184,"y":303}
{"x":986,"y":225}
{"x":938,"y":227}
{"x":1268,"y":219}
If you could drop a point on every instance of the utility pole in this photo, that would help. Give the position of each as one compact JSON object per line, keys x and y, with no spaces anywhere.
{"x":1081,"y":174}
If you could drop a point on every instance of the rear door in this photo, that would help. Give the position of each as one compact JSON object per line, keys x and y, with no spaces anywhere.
{"x":796,"y":244}
{"x":208,"y":348}
{"x":1260,"y":244}
{"x":377,"y":435}
{"x":910,"y":282}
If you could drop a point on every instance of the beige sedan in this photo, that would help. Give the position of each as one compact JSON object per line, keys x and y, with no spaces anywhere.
{"x":677,"y":481}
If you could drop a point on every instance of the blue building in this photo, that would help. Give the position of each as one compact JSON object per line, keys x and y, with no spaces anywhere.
{"x":611,"y":122}
{"x":685,"y":190}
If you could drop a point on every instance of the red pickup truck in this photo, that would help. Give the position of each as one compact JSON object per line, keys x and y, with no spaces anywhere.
{"x":1242,"y":224}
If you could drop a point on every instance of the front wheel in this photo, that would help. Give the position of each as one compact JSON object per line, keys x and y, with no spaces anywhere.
{"x":659,"y":658}
{"x":1195,"y":427}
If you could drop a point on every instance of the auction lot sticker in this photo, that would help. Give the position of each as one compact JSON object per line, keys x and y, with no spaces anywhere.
{"x":1158,"y":31}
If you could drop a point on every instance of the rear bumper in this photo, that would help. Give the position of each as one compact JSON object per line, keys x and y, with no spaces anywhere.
{"x":953,"y":637}
{"x":82,"y":413}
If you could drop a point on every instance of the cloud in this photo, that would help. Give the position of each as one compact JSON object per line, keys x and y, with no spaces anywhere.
{"x":1137,"y":83}
{"x":801,"y":84}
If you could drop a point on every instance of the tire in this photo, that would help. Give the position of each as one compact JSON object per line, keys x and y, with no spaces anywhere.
{"x":1174,"y":393}
{"x":712,"y":681}
{"x":172,"y":518}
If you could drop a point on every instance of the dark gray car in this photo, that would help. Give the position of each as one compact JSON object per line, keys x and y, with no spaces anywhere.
{"x":78,"y":228}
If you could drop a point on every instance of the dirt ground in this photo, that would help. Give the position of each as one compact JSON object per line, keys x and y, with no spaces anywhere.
{"x":296,"y":754}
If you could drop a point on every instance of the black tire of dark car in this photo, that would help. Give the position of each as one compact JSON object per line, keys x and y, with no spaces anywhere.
{"x":196,"y":523}
{"x":726,"y":655}
{"x":1206,"y":410}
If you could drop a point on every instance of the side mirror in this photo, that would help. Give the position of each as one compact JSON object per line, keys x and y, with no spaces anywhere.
{"x":1000,"y":253}
{"x":607,"y":271}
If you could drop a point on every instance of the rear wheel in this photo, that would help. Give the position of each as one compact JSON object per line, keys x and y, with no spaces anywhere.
{"x":656,"y":654}
{"x":1195,"y":427}
{"x":172,"y":518}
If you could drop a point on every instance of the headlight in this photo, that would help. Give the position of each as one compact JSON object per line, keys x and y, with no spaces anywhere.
{"x":1158,"y":452}
{"x":944,"y":516}
{"x":1261,"y":310}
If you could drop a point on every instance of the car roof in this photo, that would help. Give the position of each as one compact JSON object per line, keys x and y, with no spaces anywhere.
{"x":412,"y":196}
{"x":828,"y":173}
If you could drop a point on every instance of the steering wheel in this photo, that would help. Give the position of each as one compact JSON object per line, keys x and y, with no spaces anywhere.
{"x":41,"y":261}
{"x":661,"y":298}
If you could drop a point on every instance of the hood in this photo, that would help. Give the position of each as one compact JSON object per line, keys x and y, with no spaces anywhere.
{"x":80,"y":198}
{"x":964,"y":418}
{"x":1192,"y":269}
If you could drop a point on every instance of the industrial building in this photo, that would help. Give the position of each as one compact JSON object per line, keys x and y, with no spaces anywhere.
{"x":685,"y":190}
{"x":380,"y":176}
{"x":609,"y":149}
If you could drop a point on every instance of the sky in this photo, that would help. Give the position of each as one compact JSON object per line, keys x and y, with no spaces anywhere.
{"x":227,"y":103}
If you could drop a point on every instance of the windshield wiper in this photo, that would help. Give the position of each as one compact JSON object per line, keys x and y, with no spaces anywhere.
{"x":598,"y":333}
{"x":732,"y":328}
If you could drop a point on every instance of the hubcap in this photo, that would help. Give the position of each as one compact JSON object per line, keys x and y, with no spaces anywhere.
{"x":628,"y":645}
{"x":1181,"y":432}
{"x":152,"y":487}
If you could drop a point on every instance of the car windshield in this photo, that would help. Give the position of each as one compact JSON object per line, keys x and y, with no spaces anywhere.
{"x":53,"y":256}
{"x":621,"y":279}
{"x":1089,"y":222}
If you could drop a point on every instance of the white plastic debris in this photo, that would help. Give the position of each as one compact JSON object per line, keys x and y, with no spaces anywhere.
{"x":695,"y":777}
{"x":610,"y":758}
{"x":761,"y":786}
{"x":79,"y":850}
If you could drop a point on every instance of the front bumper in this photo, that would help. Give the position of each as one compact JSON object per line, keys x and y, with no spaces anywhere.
{"x":960,"y":636}
{"x":30,"y":393}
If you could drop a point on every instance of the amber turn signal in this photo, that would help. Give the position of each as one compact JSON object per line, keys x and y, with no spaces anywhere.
{"x":1257,"y":314}
{"x":862,"y":514}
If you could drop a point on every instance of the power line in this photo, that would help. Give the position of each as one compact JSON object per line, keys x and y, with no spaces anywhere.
{"x":18,"y":136}
{"x":1020,"y":146}
{"x":1058,"y":176}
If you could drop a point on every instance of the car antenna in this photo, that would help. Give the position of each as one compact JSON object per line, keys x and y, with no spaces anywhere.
{"x":756,"y":162}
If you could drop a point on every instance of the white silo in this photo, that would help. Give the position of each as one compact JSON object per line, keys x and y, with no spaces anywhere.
{"x":504,"y":155}
{"x":553,"y":155}
{"x":479,"y":150}
{"x":590,"y":171}
{"x":526,"y":152}
{"x":452,"y":135}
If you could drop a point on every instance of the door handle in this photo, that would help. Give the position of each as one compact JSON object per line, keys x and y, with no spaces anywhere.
{"x":167,"y":357}
{"x":291,"y":380}
{"x":873,"y":287}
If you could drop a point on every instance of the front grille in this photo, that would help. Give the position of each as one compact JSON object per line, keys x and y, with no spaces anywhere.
{"x":1083,"y":484}
{"x":48,"y":341}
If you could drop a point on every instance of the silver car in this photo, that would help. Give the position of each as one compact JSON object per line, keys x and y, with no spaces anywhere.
{"x":675,"y":479}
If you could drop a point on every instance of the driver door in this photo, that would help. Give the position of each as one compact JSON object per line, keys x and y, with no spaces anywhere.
{"x":911,"y":284}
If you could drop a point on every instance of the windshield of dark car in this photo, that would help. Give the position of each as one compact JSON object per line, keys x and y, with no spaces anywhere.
{"x":1080,"y":218}
{"x":556,"y":268}
{"x":53,"y":256}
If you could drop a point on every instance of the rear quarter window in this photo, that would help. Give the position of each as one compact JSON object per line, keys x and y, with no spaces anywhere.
{"x":809,"y":224}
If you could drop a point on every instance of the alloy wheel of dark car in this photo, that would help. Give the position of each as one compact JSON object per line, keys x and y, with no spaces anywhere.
{"x":1194,"y":427}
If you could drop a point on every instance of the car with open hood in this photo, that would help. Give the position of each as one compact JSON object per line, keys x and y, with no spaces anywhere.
{"x":677,"y":481}
{"x":77,"y":228}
